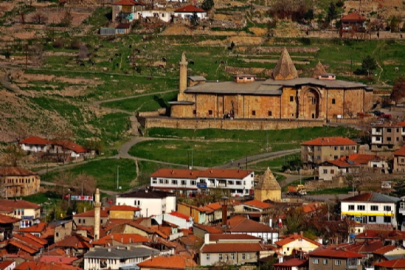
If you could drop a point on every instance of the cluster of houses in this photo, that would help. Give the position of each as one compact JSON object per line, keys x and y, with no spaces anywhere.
{"x":150,"y":229}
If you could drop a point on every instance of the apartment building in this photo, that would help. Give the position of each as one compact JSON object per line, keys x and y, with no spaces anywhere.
{"x":387,"y":136}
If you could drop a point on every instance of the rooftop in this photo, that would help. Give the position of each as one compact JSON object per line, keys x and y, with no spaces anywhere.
{"x":372,"y":197}
{"x":397,"y":264}
{"x":36,"y":141}
{"x":267,"y":181}
{"x":15,"y":171}
{"x":334,"y":252}
{"x":294,"y":237}
{"x":258,"y":204}
{"x":124,"y":208}
{"x":218,"y":237}
{"x":121,"y":252}
{"x":285,"y":68}
{"x":400,"y":151}
{"x":330,"y":141}
{"x":146,"y":194}
{"x":293,"y":262}
{"x":353,"y":17}
{"x":353,"y":160}
{"x":189,"y":8}
{"x":242,"y":224}
{"x":121,"y":238}
{"x":172,"y":262}
{"x":234,"y":247}
{"x":194,"y":174}
{"x":10,"y":205}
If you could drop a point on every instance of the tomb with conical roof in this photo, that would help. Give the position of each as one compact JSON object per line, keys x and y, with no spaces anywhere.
{"x":318,"y":70}
{"x":268,"y":188}
{"x":285,"y":68}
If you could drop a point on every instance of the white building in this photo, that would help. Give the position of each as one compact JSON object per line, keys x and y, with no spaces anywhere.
{"x":187,"y":12}
{"x":150,"y":202}
{"x":238,"y":182}
{"x":35,"y":144}
{"x":371,"y":208}
{"x":182,"y":221}
{"x":118,"y":257}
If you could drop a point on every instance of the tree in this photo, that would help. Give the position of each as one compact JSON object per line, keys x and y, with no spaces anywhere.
{"x":67,"y":19}
{"x":37,"y":55}
{"x":84,"y":184}
{"x":331,"y":12}
{"x":399,"y":188}
{"x":398,"y":90}
{"x":195,"y":20}
{"x":207,"y":4}
{"x":39,"y":18}
{"x":63,"y":183}
{"x":394,"y":22}
{"x":12,"y":155}
{"x":368,"y":64}
{"x":294,"y":220}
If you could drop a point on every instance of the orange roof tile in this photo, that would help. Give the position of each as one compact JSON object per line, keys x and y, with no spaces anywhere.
{"x":189,"y":8}
{"x":40,"y":227}
{"x":57,"y":259}
{"x":330,"y":141}
{"x":311,"y":207}
{"x":353,"y":160}
{"x":71,"y":146}
{"x":32,"y":265}
{"x":293,"y":237}
{"x":242,"y":224}
{"x":15,"y":171}
{"x":234,"y":247}
{"x":392,"y":264}
{"x":258,"y":204}
{"x":400,"y":151}
{"x":7,"y":219}
{"x":353,"y":17}
{"x":5,"y":264}
{"x":385,"y":249}
{"x":194,"y":174}
{"x":334,"y":252}
{"x":172,"y":262}
{"x":180,"y":215}
{"x":216,"y":237}
{"x":10,"y":205}
{"x":121,"y":238}
{"x":35,"y":140}
{"x":293,"y":262}
{"x":74,"y":241}
{"x":90,"y":213}
{"x":208,"y":228}
{"x":128,"y":3}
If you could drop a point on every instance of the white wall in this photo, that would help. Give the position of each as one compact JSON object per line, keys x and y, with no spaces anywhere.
{"x":380,"y":213}
{"x":181,"y":222}
{"x":150,"y":206}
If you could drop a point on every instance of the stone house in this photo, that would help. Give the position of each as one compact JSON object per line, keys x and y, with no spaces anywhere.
{"x":353,"y":21}
{"x":126,"y":10}
{"x":385,"y":137}
{"x":334,"y":258}
{"x":18,"y":181}
{"x":284,"y":96}
{"x":319,"y":150}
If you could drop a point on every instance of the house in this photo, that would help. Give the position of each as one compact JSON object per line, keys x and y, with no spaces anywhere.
{"x":117,"y":257}
{"x":187,"y":12}
{"x":33,"y":265}
{"x":371,"y":208}
{"x":256,"y":206}
{"x":296,"y":242}
{"x":52,"y":259}
{"x":18,"y":181}
{"x":124,"y":212}
{"x":35,"y":144}
{"x":74,"y":245}
{"x":126,"y":10}
{"x":7,"y":225}
{"x":350,"y":164}
{"x":27,"y":212}
{"x":292,"y":264}
{"x":242,"y":225}
{"x":37,"y":229}
{"x":201,"y":230}
{"x":215,"y":215}
{"x":234,"y":249}
{"x":123,"y":28}
{"x":327,"y":148}
{"x":353,"y":21}
{"x":197,"y":213}
{"x":399,"y":160}
{"x":334,"y":258}
{"x":180,"y":220}
{"x":7,"y":265}
{"x":387,"y":136}
{"x":389,"y":252}
{"x":69,"y":150}
{"x":238,"y":182}
{"x":25,"y":244}
{"x":151,"y":202}
{"x":87,"y":218}
{"x":174,"y":262}
{"x":121,"y":239}
{"x":62,"y":229}
{"x":398,"y":264}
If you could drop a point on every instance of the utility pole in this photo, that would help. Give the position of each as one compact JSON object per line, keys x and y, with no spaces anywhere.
{"x":118,"y":175}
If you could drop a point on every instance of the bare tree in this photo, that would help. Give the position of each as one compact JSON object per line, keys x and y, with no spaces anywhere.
{"x":39,"y":18}
{"x":63,"y":183}
{"x":36,"y":55}
{"x":84,"y":184}
{"x":83,"y":52}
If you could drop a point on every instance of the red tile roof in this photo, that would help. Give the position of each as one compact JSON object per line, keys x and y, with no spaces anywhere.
{"x":180,"y":215}
{"x":103,"y":213}
{"x":330,"y":141}
{"x":216,"y":237}
{"x":353,"y":17}
{"x":294,"y":237}
{"x":194,"y":174}
{"x":35,"y":140}
{"x":74,"y":241}
{"x":5,"y":264}
{"x":234,"y":247}
{"x":124,"y":208}
{"x":128,"y":3}
{"x":292,"y":262}
{"x":383,"y":250}
{"x":208,"y":229}
{"x":71,"y":146}
{"x":242,"y":224}
{"x":258,"y":204}
{"x":353,"y":160}
{"x":334,"y":252}
{"x":311,"y":207}
{"x":366,"y":247}
{"x":172,"y":262}
{"x":179,"y":173}
{"x":7,"y":219}
{"x":32,"y":265}
{"x":40,"y":227}
{"x":398,"y":263}
{"x":190,"y":8}
{"x":400,"y":151}
{"x":58,"y":259}
{"x":27,"y":242}
{"x":7,"y":205}
{"x":121,"y":238}
{"x":15,"y":171}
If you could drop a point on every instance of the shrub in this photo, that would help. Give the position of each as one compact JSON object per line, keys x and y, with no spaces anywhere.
{"x":58,"y":44}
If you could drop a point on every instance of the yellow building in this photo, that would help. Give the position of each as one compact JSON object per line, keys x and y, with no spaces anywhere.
{"x":298,"y":242}
{"x":268,"y":188}
{"x":18,"y":182}
{"x":124,"y":212}
{"x":197,"y":213}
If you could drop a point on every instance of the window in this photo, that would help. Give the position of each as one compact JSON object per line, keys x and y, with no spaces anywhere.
{"x":333,"y":101}
{"x":84,"y":221}
{"x":210,"y":112}
{"x":332,"y":171}
{"x":318,"y":157}
{"x":57,"y":234}
{"x":238,"y":183}
{"x":397,"y":139}
{"x":208,"y":257}
{"x":174,"y":182}
{"x":325,"y":261}
{"x":194,"y":112}
{"x":160,"y":181}
{"x":325,"y":171}
{"x":335,"y":148}
{"x":193,"y":183}
{"x":243,"y":256}
{"x":338,"y":262}
{"x":80,"y":221}
{"x":291,"y":98}
{"x":233,"y":256}
{"x":388,"y":130}
{"x":371,"y":219}
{"x":342,"y":148}
{"x":253,"y":112}
{"x":230,"y":182}
{"x":351,"y":207}
{"x":288,"y":249}
{"x":374,"y":208}
{"x":387,"y":208}
{"x":318,"y":148}
{"x":315,"y":261}
{"x":361,"y":207}
{"x":166,"y":181}
{"x":353,"y":147}
{"x":402,"y":160}
{"x":387,"y":219}
{"x":388,"y":139}
{"x":248,"y":256}
{"x":183,"y":182}
{"x":270,"y":113}
{"x":335,"y":157}
{"x":378,"y":139}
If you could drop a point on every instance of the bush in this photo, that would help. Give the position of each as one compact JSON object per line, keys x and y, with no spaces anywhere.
{"x":75,"y":44}
{"x":58,"y":44}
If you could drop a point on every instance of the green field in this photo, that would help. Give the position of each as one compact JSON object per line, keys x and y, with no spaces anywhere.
{"x":104,"y":172}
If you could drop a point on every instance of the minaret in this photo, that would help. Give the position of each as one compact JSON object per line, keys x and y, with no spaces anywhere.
{"x":183,"y":75}
{"x":97,"y":206}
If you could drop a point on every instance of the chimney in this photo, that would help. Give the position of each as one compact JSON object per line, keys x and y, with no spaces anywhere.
{"x":302,"y":233}
{"x":224,"y":210}
{"x":97,"y":206}
{"x":206,"y":238}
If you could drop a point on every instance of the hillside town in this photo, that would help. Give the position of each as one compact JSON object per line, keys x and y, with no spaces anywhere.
{"x":208,"y":134}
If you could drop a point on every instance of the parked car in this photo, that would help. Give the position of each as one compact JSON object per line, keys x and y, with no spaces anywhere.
{"x":377,"y":113}
{"x":385,"y":115}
